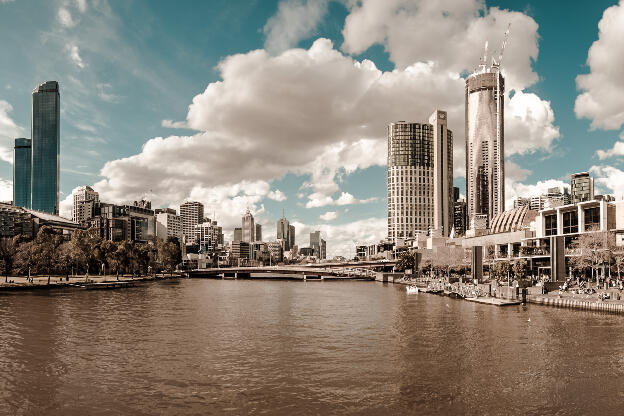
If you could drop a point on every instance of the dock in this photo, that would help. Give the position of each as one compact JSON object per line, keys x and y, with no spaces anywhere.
{"x":495,"y":301}
{"x":109,"y":285}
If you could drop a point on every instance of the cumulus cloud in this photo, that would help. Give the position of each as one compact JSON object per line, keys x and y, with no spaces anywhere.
{"x":616,"y":150}
{"x":449,"y":32}
{"x":319,"y":199}
{"x":74,"y":54}
{"x":65,"y":18}
{"x":277,"y":195}
{"x":342,"y":238}
{"x":295,"y":20}
{"x":329,"y":216}
{"x":515,"y":188}
{"x":602,"y":96}
{"x":531,"y":122}
{"x":6,"y":190}
{"x":9,"y":130}
{"x":609,"y":178}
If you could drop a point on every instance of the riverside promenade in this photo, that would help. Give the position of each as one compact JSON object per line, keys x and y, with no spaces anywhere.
{"x":492,"y":294}
{"x":19,"y":283}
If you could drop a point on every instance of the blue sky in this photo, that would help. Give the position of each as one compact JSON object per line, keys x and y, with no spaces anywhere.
{"x":209,"y":100}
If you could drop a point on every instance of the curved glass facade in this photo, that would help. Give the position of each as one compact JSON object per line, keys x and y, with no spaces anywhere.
{"x":45,"y":147}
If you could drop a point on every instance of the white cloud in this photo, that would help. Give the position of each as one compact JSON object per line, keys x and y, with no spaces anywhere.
{"x":602,"y":97}
{"x":74,"y":54}
{"x":65,"y":18}
{"x":616,"y":150}
{"x":6,"y":1}
{"x":449,"y":32}
{"x":105,"y":94}
{"x":170,"y":124}
{"x":82,"y":5}
{"x":277,"y":195}
{"x":319,"y":199}
{"x":6,"y":190}
{"x":529,"y":121}
{"x":342,"y":238}
{"x":295,"y":20}
{"x":9,"y":131}
{"x":609,"y":177}
{"x":329,"y":216}
{"x":514,"y":190}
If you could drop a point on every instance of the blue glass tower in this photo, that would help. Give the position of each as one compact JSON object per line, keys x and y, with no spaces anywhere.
{"x":21,"y":172}
{"x":45,"y":147}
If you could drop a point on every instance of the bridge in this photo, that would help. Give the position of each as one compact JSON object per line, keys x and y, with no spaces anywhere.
{"x":323,"y":271}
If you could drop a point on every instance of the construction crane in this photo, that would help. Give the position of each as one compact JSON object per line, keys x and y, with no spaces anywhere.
{"x":495,"y":63}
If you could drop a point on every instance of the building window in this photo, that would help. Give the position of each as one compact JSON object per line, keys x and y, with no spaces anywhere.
{"x":592,"y":218}
{"x":570,"y":222}
{"x":551,"y":224}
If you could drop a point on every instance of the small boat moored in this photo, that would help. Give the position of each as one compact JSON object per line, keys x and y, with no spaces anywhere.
{"x":411,"y":289}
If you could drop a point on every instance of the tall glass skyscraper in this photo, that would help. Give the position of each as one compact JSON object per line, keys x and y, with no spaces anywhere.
{"x":21,"y":172}
{"x":46,"y":104}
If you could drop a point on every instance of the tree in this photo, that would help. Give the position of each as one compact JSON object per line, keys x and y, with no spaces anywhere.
{"x":618,"y":259}
{"x":8,"y":252}
{"x":24,"y":260}
{"x":142,"y":252}
{"x":407,"y":261}
{"x":169,"y":253}
{"x":519,"y":269}
{"x":45,"y":249}
{"x":488,"y":256}
{"x":83,"y":248}
{"x":592,"y":249}
{"x":502,"y":269}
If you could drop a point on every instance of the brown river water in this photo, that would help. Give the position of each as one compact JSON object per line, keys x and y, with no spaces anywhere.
{"x":201,"y":347}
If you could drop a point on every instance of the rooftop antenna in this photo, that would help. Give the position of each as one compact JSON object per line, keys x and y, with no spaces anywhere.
{"x":283,"y":213}
{"x":496,"y":64}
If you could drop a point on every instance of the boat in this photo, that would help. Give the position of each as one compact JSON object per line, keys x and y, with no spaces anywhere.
{"x":411,"y":289}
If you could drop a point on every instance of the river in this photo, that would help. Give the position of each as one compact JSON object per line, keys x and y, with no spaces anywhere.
{"x":286,"y":347}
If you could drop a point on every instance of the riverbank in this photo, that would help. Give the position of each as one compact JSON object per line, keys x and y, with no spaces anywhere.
{"x":18,"y":283}
{"x":491,"y":293}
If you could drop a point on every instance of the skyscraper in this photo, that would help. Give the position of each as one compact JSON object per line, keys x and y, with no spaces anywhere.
{"x":258,"y":232}
{"x":191,"y":213}
{"x":291,"y":237}
{"x":249,"y":228}
{"x":21,"y":172}
{"x":318,"y":245}
{"x":283,"y":232}
{"x":85,"y":199}
{"x":420,"y":178}
{"x":485,"y":139}
{"x":45,"y":133}
{"x":582,"y":185}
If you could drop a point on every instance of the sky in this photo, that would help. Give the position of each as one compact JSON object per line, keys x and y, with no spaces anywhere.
{"x":282,"y":105}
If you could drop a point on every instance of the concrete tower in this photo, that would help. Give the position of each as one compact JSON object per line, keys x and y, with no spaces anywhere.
{"x":485,"y":141}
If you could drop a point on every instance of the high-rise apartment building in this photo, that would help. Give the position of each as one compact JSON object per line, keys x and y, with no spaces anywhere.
{"x":85,"y":199}
{"x":168,"y":224}
{"x":22,"y":157}
{"x":485,"y":140}
{"x":45,"y":133}
{"x":209,"y":236}
{"x":191,"y":213}
{"x":582,"y":186}
{"x":420,"y":178}
{"x":249,"y":228}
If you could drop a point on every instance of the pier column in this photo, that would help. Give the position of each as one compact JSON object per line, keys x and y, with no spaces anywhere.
{"x":476,"y":264}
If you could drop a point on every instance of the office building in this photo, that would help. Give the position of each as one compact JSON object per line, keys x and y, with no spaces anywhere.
{"x":249,"y":228}
{"x":420,"y":178}
{"x":191,"y":213}
{"x":485,"y":140}
{"x":209,"y":236}
{"x":258,"y":232}
{"x":85,"y":199}
{"x":45,"y":134}
{"x":318,"y":245}
{"x":241,"y":250}
{"x":459,"y":217}
{"x":582,"y":187}
{"x":22,"y":156}
{"x":285,"y":233}
{"x":238,"y":234}
{"x":168,"y":224}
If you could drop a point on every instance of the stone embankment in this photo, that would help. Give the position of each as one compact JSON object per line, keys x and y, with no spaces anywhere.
{"x":19,"y":284}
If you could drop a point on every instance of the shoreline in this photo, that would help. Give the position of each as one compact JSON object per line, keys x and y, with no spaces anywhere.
{"x":21,"y":284}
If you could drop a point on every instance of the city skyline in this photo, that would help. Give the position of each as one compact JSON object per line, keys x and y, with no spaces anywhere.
{"x":342,"y":169}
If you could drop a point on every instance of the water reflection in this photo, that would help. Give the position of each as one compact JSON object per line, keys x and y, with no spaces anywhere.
{"x":201,"y":347}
